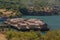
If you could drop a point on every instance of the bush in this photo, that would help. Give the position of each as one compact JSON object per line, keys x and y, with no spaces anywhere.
{"x":14,"y":35}
{"x":32,"y":35}
{"x":52,"y":35}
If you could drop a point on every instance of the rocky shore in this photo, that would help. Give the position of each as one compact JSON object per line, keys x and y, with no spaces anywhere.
{"x":40,"y":11}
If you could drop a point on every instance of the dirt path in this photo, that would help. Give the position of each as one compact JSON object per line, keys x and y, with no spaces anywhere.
{"x":2,"y":36}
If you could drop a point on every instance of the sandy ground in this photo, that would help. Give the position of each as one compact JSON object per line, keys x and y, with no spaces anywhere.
{"x":2,"y":36}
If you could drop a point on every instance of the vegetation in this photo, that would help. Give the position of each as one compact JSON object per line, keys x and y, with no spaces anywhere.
{"x":17,"y":5}
{"x":32,"y":35}
{"x":10,"y":5}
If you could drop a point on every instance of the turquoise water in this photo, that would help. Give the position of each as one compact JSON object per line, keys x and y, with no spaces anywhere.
{"x":52,"y":21}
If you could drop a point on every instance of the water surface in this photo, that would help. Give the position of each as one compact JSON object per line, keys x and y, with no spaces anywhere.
{"x":52,"y":21}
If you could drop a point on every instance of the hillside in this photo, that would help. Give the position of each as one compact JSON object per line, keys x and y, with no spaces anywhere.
{"x":17,"y":5}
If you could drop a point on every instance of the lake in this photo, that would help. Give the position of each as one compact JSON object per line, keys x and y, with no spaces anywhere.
{"x":52,"y":21}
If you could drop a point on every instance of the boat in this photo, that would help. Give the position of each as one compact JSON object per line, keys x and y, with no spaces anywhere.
{"x":27,"y":24}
